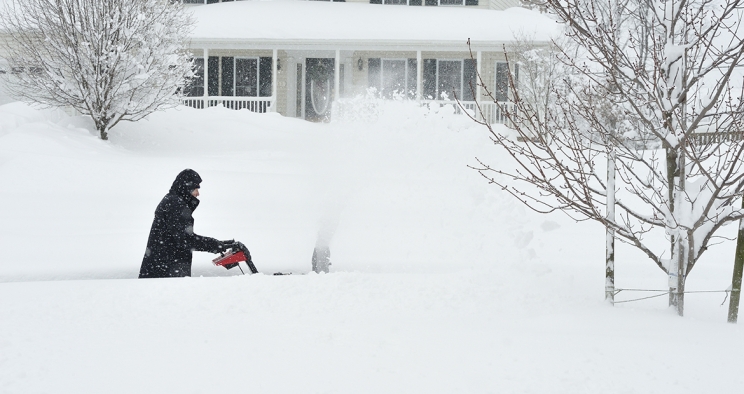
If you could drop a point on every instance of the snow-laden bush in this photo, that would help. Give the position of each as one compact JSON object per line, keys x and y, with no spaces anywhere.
{"x":113,"y":60}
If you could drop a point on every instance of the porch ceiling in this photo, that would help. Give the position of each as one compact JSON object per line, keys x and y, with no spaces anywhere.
{"x":347,"y":45}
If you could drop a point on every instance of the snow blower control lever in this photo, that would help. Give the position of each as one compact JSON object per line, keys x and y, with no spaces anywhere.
{"x":233,"y":255}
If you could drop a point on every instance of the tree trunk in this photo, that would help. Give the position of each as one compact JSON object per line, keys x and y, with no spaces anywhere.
{"x":680,"y":241}
{"x":677,"y":275}
{"x":610,"y":236}
{"x":733,"y":313}
{"x":671,"y":159}
{"x":685,"y":243}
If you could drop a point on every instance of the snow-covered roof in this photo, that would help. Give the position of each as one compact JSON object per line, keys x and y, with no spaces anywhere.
{"x":283,"y":24}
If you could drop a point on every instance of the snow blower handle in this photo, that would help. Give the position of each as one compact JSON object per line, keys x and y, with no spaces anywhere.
{"x":233,"y":253}
{"x":238,"y":246}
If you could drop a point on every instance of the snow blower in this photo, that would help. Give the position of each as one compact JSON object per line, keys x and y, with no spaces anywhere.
{"x":233,"y":255}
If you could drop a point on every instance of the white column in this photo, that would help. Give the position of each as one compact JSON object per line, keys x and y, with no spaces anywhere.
{"x":419,"y":76}
{"x":337,"y":77}
{"x":274,"y":82}
{"x":478,"y":59}
{"x":206,"y":77}
{"x":478,"y":69}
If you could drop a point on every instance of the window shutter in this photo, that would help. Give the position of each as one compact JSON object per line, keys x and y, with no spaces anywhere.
{"x":375,"y":1}
{"x":264,"y":77}
{"x":469,"y":74}
{"x":373,"y":73}
{"x":430,"y":79}
{"x":471,"y":2}
{"x":411,"y":79}
{"x":213,"y":79}
{"x":502,"y":82}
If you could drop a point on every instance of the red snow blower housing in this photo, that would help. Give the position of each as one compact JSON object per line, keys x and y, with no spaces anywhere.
{"x":233,"y":255}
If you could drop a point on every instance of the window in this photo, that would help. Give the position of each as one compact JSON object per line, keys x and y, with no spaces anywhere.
{"x":393,"y":77}
{"x":457,"y":2}
{"x":203,"y":1}
{"x":195,"y":88}
{"x":425,"y":2}
{"x":247,"y":77}
{"x":447,"y":78}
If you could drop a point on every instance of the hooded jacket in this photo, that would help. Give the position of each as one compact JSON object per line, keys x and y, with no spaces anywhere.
{"x":172,"y":239}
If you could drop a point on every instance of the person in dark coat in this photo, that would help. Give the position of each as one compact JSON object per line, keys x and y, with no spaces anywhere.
{"x":172,"y":239}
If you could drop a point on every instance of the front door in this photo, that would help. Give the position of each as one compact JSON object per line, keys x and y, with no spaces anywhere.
{"x":319,"y":81}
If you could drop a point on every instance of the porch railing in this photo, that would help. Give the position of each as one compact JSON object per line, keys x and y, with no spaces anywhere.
{"x":255,"y":104}
{"x":717,"y":137}
{"x":491,"y":112}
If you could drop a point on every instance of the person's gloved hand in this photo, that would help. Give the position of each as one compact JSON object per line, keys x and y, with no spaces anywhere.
{"x":222,"y":246}
{"x":230,"y":244}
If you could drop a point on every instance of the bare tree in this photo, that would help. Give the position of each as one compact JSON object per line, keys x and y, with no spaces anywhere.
{"x":113,"y":60}
{"x":651,"y":74}
{"x":541,"y":74}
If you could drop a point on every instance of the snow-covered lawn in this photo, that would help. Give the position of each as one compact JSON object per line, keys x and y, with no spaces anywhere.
{"x":439,"y":283}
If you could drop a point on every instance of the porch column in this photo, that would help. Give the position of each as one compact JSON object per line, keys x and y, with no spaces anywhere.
{"x":206,"y":78}
{"x":478,"y":59}
{"x":419,"y":76}
{"x":337,"y":76}
{"x":477,"y":97}
{"x":274,"y":82}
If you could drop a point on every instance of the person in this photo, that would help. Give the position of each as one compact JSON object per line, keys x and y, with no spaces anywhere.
{"x":172,"y":239}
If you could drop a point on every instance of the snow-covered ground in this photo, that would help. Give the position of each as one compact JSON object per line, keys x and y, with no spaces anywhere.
{"x":440,"y":283}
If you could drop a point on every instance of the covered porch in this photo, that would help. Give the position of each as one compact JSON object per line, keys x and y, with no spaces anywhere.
{"x":308,"y":79}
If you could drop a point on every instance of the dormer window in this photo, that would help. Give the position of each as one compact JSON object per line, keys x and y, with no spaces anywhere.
{"x":425,"y":2}
{"x":204,"y":1}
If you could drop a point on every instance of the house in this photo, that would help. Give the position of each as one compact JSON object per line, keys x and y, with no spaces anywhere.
{"x":304,"y":58}
{"x":321,"y":53}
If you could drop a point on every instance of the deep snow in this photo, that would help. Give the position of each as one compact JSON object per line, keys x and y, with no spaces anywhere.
{"x":439,"y":283}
